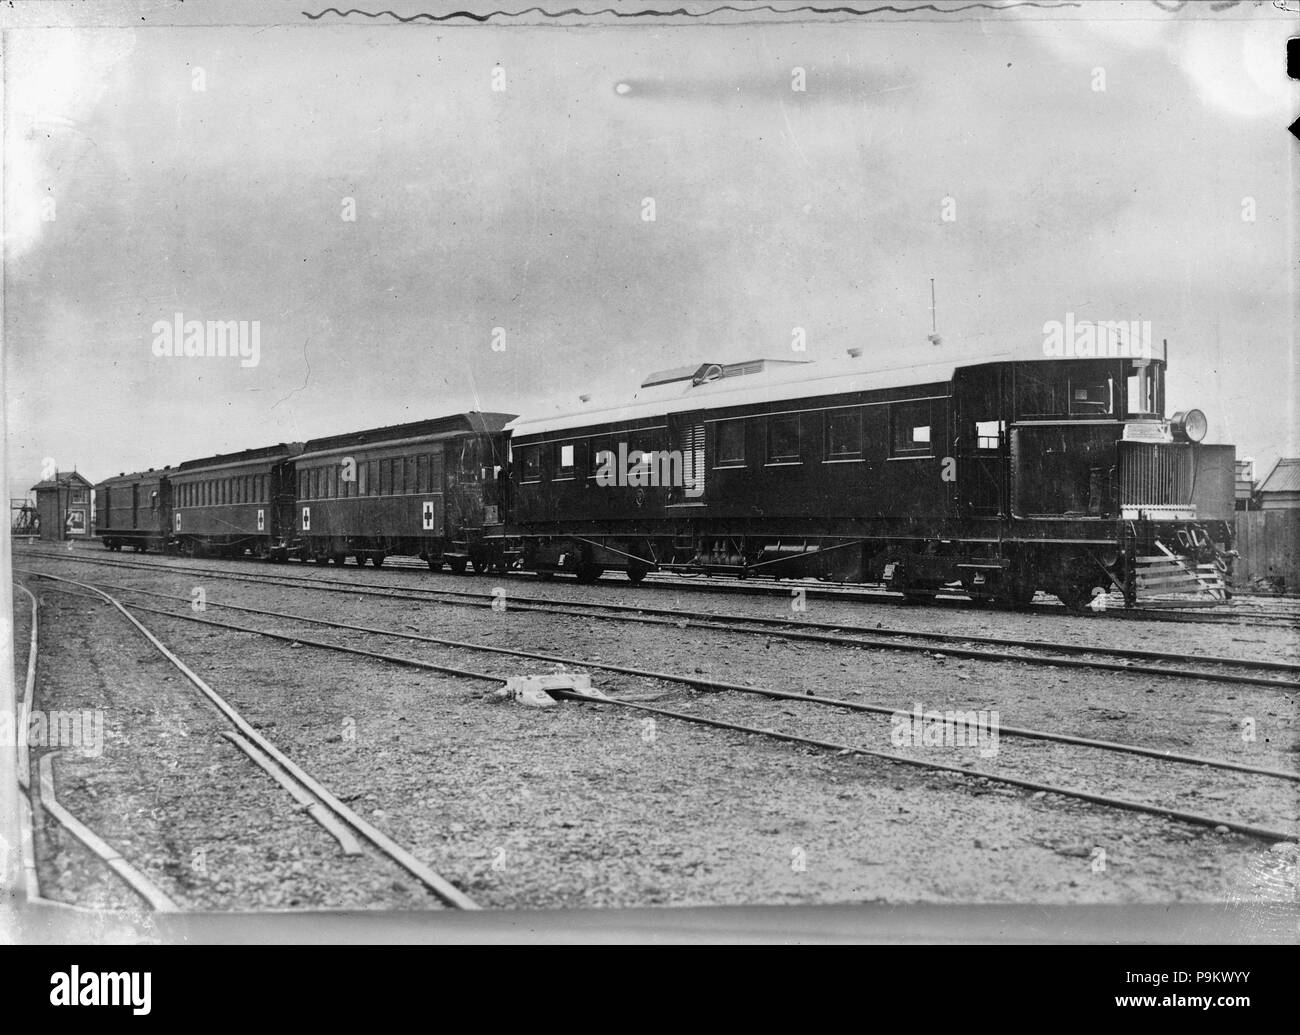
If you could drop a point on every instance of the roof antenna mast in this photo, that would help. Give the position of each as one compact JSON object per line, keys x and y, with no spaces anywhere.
{"x":934,"y":318}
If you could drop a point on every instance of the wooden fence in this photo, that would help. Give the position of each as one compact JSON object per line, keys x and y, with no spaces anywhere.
{"x":1269,"y":544}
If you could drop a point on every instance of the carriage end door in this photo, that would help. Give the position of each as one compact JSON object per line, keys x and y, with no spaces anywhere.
{"x":981,"y":441}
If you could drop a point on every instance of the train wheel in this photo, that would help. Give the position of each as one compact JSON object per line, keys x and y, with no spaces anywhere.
{"x":457,"y":565}
{"x":435,"y":564}
{"x":339,"y":559}
{"x":545,"y":575}
{"x":589,"y":573}
{"x":361,"y":560}
{"x":1076,"y":596}
{"x":636,"y":572}
{"x":377,"y":559}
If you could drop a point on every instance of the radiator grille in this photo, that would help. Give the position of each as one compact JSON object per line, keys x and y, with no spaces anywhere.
{"x":1155,"y":475}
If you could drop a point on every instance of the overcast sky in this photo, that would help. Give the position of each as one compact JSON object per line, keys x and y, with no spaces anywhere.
{"x":522,"y":209}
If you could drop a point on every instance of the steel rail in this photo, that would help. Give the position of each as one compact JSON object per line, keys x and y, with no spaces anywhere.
{"x":1250,"y":830}
{"x":439,"y":885}
{"x":1264,"y":833}
{"x":106,"y":853}
{"x":874,"y":639}
{"x":715,"y":685}
{"x":821,"y":592}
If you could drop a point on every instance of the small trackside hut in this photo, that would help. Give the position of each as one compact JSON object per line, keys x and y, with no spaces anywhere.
{"x":134,"y":510}
{"x":63,"y":507}
{"x":235,"y":503}
{"x":997,"y":478}
{"x":428,"y":489}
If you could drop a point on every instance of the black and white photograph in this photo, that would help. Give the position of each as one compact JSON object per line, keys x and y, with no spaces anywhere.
{"x":674,"y":472}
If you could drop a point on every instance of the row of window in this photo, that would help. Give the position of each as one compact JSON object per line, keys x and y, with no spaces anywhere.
{"x":244,"y":488}
{"x":785,"y":436}
{"x":397,"y":476}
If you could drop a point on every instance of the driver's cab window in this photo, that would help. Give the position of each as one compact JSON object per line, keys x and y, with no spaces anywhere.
{"x":1092,"y":397}
{"x":989,"y":434}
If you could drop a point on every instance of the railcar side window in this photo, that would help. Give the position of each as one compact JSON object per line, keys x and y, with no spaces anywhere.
{"x":530,"y":463}
{"x":844,"y":434}
{"x":783,"y":439}
{"x":373,"y":465}
{"x":730,"y":443}
{"x":564,"y":461}
{"x":412,"y":482}
{"x":422,"y":472}
{"x":910,"y":428}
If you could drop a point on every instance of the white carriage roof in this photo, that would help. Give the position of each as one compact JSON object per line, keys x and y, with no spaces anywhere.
{"x":777,"y":381}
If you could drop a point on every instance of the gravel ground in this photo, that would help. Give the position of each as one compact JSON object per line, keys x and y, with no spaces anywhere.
{"x":591,"y":805}
{"x":177,"y":800}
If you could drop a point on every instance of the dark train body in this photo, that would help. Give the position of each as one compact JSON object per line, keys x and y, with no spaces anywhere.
{"x":134,"y":510}
{"x":224,"y":505}
{"x":1005,"y":477}
{"x":423,"y":489}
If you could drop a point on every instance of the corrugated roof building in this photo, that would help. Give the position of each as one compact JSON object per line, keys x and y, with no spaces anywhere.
{"x":1281,"y":489}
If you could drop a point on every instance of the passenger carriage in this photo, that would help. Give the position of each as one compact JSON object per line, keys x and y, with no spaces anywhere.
{"x":428,"y":489}
{"x":235,"y":503}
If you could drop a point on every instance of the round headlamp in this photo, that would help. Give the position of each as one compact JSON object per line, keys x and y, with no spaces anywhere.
{"x":1189,"y":425}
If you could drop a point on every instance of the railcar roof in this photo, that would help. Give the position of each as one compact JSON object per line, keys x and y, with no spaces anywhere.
{"x":774,"y":383}
{"x":471,"y":421}
{"x":280,"y":451}
{"x":136,"y":476}
{"x":777,"y":381}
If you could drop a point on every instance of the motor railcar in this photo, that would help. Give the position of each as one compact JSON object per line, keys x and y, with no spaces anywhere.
{"x":1006,"y":477}
{"x":427,"y":489}
{"x":236,"y":502}
{"x":134,"y":510}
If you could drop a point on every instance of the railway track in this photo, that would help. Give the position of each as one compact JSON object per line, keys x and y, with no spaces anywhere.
{"x":815,"y":590}
{"x":316,"y":800}
{"x":1033,"y":785}
{"x":1276,"y":675}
